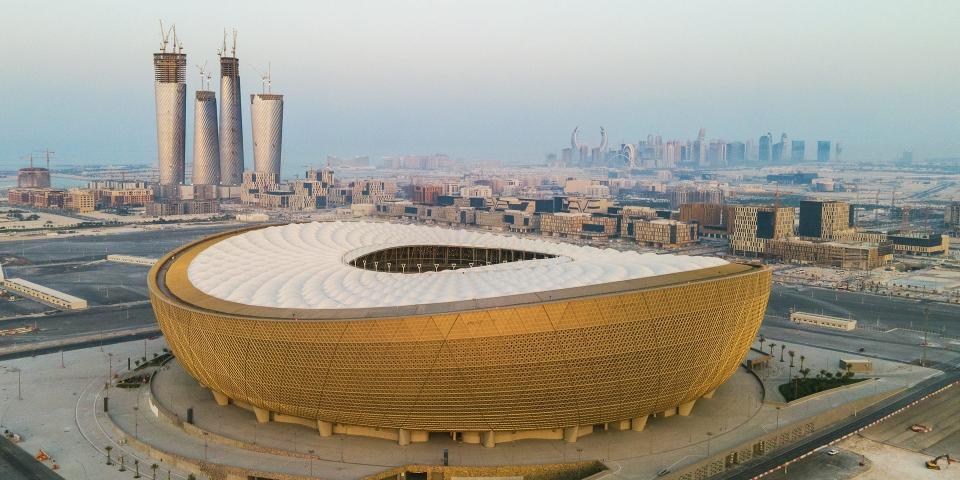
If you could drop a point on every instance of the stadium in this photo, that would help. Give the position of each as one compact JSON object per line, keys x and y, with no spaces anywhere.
{"x":401,"y":331}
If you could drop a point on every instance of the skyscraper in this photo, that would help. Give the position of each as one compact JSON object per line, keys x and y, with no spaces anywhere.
{"x":700,"y":148}
{"x":266,"y":117}
{"x":784,"y":147}
{"x":206,"y":145}
{"x":170,"y":88}
{"x":736,"y":153}
{"x":823,"y":151}
{"x":797,"y":152}
{"x":231,"y":122}
{"x":765,"y":141}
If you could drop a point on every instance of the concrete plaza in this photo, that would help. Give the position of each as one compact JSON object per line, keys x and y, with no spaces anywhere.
{"x":61,"y":413}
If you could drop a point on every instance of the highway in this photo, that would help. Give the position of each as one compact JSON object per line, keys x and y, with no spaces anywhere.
{"x":865,"y":418}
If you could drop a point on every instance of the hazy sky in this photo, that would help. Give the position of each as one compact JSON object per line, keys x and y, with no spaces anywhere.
{"x":506,"y":80}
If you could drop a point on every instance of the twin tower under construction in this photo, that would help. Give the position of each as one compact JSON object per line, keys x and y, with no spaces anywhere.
{"x":217,"y":152}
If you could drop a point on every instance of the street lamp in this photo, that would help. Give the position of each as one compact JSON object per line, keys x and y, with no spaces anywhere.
{"x":19,"y":396}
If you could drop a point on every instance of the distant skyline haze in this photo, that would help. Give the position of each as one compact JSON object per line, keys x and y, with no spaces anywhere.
{"x":493,"y":79}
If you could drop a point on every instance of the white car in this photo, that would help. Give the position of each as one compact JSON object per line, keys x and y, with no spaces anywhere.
{"x":832,"y":452}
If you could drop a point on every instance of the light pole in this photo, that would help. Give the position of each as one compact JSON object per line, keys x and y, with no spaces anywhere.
{"x":926,"y":327}
{"x":311,"y":462}
{"x":709,"y":436}
{"x":778,"y":418}
{"x":19,"y":396}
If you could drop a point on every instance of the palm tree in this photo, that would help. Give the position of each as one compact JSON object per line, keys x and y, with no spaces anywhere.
{"x":108,"y":448}
{"x":791,"y":353}
{"x":154,"y":468}
{"x":804,"y":372}
{"x":822,"y":374}
{"x":782,"y":348}
{"x":802,"y":358}
{"x":762,"y":339}
{"x":771,"y":345}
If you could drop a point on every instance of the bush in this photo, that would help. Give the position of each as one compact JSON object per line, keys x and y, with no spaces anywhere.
{"x":808,"y":386}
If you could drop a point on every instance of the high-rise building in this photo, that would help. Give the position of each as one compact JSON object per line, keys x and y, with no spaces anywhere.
{"x":266,"y":117}
{"x":717,"y":153}
{"x":170,"y":88}
{"x":823,"y":151}
{"x":776,"y":153}
{"x":951,"y":216}
{"x":206,"y":145}
{"x":797,"y":151}
{"x":827,"y":220}
{"x":784,"y":147}
{"x":231,"y":122}
{"x":700,"y":148}
{"x":765,"y":141}
{"x":736,"y":153}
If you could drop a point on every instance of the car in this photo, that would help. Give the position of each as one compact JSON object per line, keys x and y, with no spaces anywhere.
{"x":832,"y":452}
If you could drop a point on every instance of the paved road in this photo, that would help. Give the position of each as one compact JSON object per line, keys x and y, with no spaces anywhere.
{"x":144,"y":243}
{"x":61,"y":262}
{"x":16,"y":464}
{"x":865,"y":308}
{"x":866,"y":417}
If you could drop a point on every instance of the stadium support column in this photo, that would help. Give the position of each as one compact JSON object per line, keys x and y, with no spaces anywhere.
{"x":570,"y":434}
{"x":685,"y":408}
{"x":639,"y":423}
{"x":709,"y":394}
{"x":263,"y":415}
{"x":220,"y":398}
{"x":489,"y":438}
{"x":325,"y":428}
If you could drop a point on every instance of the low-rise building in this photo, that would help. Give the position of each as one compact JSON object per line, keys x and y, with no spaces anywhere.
{"x":579,"y":225}
{"x":752,"y":226}
{"x":839,"y":254}
{"x":183,"y":207}
{"x":825,"y":321}
{"x":660,"y":233}
{"x":80,"y":201}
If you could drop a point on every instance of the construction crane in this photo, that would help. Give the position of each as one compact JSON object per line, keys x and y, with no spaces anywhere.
{"x":47,"y":153}
{"x":204,"y":76}
{"x":876,"y":211}
{"x":904,"y":219}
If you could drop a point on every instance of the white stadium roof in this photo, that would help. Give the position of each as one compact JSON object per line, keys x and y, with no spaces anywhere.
{"x":306,"y":266}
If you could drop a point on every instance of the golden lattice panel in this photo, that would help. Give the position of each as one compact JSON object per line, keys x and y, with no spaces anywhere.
{"x":578,"y":361}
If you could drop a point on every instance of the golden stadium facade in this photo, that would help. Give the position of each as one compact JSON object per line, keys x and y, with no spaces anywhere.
{"x":483,"y":366}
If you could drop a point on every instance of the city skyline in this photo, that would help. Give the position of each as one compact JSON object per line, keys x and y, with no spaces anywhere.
{"x":356,"y":87}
